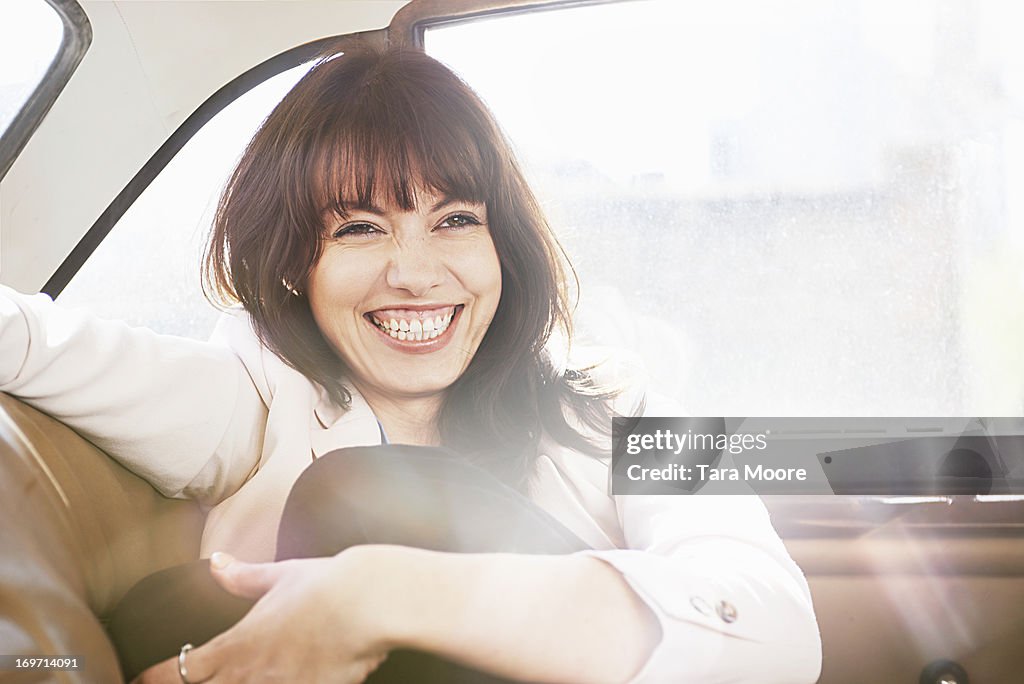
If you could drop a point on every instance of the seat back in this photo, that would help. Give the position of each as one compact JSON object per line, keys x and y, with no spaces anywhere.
{"x":77,"y":530}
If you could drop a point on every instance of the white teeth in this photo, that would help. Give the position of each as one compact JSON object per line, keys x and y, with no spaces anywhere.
{"x":416,"y":329}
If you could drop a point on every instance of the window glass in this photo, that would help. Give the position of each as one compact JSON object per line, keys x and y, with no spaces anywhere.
{"x":30,"y":37}
{"x":146,"y":271}
{"x":800,"y":208}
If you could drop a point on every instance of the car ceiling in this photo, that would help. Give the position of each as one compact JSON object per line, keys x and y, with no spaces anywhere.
{"x":150,"y":65}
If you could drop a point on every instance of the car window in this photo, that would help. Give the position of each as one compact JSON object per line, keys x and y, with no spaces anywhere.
{"x":39,"y":48}
{"x":797,"y":208}
{"x":146,"y":269}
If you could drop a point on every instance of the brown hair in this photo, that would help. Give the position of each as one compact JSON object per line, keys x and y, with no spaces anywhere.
{"x":372,"y":127}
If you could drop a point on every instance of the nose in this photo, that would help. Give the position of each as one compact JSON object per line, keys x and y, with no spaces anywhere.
{"x":415,"y":267}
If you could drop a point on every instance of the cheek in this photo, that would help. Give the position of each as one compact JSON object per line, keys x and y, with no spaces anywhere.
{"x":483,"y":276}
{"x":335,"y":289}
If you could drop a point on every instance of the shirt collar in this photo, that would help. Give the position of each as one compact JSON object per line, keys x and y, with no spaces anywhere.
{"x":357,"y":426}
{"x":329,"y":414}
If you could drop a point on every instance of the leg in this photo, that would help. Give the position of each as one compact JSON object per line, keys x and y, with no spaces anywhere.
{"x":413,"y":496}
{"x":425,"y":497}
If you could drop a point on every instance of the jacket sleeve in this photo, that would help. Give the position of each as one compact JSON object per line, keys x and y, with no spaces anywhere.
{"x":182,"y":414}
{"x":731,"y":603}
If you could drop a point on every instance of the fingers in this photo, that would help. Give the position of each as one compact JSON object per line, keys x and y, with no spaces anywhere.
{"x":248,"y":580}
{"x":200,"y":664}
{"x":165,"y":672}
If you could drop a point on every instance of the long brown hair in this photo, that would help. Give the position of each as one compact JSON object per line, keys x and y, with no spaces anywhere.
{"x":373,"y":127}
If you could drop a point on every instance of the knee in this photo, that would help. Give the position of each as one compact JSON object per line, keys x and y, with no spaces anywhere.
{"x":329,"y":503}
{"x":334,"y":472}
{"x":352,"y":471}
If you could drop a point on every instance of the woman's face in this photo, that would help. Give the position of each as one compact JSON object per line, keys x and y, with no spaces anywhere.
{"x":405,"y":297}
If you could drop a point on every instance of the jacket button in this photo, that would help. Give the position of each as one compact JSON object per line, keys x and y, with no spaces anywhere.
{"x":727,"y":611}
{"x":700,"y":605}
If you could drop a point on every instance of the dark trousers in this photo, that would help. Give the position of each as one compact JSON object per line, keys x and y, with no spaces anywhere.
{"x":423,"y":497}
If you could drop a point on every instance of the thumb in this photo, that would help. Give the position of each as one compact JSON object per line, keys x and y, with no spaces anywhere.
{"x":248,"y":580}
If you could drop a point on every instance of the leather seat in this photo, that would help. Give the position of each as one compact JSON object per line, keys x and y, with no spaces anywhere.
{"x":77,"y":531}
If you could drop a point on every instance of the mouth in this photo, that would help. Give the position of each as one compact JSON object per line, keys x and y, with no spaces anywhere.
{"x":415,"y":327}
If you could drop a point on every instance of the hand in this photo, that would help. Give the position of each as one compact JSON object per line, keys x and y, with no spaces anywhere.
{"x":310,"y":624}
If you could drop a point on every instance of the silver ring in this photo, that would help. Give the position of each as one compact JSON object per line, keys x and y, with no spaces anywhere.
{"x":182,"y":670}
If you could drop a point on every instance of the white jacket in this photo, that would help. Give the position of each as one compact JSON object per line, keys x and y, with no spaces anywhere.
{"x":201,"y":419}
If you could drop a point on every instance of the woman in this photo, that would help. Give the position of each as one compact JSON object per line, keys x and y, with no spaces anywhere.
{"x":400,"y":285}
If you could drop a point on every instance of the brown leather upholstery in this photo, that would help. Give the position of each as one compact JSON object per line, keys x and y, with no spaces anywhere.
{"x":77,"y":530}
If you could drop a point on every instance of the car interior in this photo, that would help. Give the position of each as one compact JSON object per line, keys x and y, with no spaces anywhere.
{"x":802,"y":209}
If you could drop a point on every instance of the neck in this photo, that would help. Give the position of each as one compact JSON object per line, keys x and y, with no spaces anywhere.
{"x":407,"y":420}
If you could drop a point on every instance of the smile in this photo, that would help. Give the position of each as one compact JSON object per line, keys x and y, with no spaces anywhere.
{"x":414,"y":325}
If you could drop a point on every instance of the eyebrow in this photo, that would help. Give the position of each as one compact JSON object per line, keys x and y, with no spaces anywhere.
{"x":374,"y":209}
{"x":369,"y":208}
{"x":442,"y":203}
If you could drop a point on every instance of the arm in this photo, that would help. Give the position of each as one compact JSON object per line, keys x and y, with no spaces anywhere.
{"x":707,"y":593}
{"x":502,"y":613}
{"x":534,"y":618}
{"x":178,"y":412}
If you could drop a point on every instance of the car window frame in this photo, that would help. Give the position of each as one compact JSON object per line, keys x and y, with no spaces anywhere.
{"x":407,"y":28}
{"x":75,"y":41}
{"x":412,"y":21}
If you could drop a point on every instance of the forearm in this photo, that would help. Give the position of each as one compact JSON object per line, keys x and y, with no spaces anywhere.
{"x":165,"y":407}
{"x":539,"y":618}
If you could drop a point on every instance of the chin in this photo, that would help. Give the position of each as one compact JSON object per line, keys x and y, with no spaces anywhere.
{"x":422,"y":389}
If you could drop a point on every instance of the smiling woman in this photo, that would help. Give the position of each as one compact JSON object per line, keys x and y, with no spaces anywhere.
{"x":383,"y":184}
{"x":398,"y":283}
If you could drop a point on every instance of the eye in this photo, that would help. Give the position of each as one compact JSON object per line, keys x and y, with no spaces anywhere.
{"x":357,"y":229}
{"x":460,"y":220}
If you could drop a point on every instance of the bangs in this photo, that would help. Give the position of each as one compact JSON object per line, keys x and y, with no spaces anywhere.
{"x":399,"y":139}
